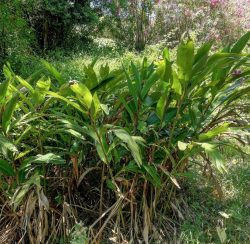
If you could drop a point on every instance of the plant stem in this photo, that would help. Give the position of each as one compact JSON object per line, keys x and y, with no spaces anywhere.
{"x":176,"y":118}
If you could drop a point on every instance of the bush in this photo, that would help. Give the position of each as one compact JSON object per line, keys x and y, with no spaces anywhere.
{"x":115,"y":148}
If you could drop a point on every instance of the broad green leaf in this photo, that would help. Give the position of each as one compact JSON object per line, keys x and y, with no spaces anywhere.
{"x":24,"y":189}
{"x":199,"y":69}
{"x":155,"y":178}
{"x":75,"y":105}
{"x":110,"y":185}
{"x":92,"y":64}
{"x":126,"y":105}
{"x":220,"y":59}
{"x":182,"y":145}
{"x":105,"y":108}
{"x":203,"y":51}
{"x":7,"y":71}
{"x":42,"y":86}
{"x":83,"y":94}
{"x":49,"y":158}
{"x":72,"y":132}
{"x":164,"y":70}
{"x":6,"y":168}
{"x":166,"y":54}
{"x":25,"y":84}
{"x":103,"y":83}
{"x":238,"y":93}
{"x":161,"y":104}
{"x":22,"y":154}
{"x":222,"y":234}
{"x":160,"y":68}
{"x":134,"y":148}
{"x":104,"y":71}
{"x":151,"y":80}
{"x":35,"y":76}
{"x":88,"y":130}
{"x":3,"y":89}
{"x":213,"y":132}
{"x":176,"y":86}
{"x":95,"y":106}
{"x":168,"y":74}
{"x":70,"y":126}
{"x":132,"y":167}
{"x":111,"y":82}
{"x":53,"y":71}
{"x":144,"y":69}
{"x":185,"y":59}
{"x":207,"y":146}
{"x":23,"y":134}
{"x":137,"y":78}
{"x":132,"y":88}
{"x":91,"y":80}
{"x":5,"y":144}
{"x":214,"y":155}
{"x":217,"y":159}
{"x":241,"y":43}
{"x":8,"y":112}
{"x":160,"y":107}
{"x":101,"y":153}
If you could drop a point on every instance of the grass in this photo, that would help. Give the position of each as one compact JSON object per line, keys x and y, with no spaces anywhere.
{"x":231,"y":214}
{"x":70,"y":62}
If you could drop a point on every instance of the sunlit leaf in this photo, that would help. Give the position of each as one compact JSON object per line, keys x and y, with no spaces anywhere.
{"x":42,"y":86}
{"x":53,"y":71}
{"x":83,"y":94}
{"x":182,"y":145}
{"x":185,"y":59}
{"x":214,"y":132}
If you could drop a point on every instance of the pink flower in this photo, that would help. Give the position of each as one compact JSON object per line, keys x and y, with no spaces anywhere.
{"x":214,"y":3}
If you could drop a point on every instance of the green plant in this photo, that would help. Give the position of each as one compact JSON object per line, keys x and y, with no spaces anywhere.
{"x":119,"y":143}
{"x":79,"y":235}
{"x":16,"y":36}
{"x":56,"y":23}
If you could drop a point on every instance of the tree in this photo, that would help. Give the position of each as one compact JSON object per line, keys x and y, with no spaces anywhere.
{"x":128,"y":21}
{"x":54,"y":21}
{"x":15,"y":35}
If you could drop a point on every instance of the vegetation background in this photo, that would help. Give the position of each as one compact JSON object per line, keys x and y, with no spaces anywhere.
{"x":66,"y":159}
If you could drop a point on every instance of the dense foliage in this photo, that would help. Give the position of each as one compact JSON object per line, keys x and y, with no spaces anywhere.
{"x":55,"y":21}
{"x":113,"y":149}
{"x":16,"y":38}
{"x":32,"y":26}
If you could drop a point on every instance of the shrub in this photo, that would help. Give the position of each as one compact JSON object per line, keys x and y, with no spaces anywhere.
{"x":115,"y":148}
